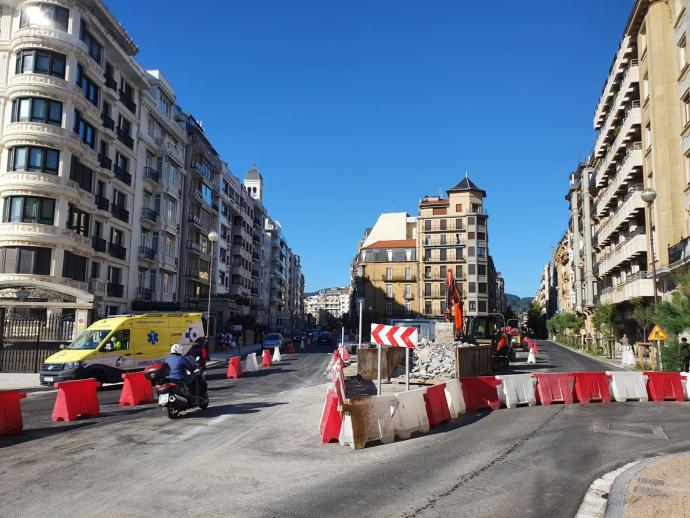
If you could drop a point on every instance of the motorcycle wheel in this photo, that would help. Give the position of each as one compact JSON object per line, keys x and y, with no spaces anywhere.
{"x":203,"y":404}
{"x":171,"y":412}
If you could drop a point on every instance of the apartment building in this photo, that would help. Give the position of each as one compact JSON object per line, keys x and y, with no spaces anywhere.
{"x":328,"y":303}
{"x":70,"y":106}
{"x":453,"y":234}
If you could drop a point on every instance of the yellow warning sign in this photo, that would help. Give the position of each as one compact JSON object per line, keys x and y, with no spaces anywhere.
{"x":657,"y":335}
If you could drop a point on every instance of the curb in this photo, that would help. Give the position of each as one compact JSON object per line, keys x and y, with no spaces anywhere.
{"x":591,"y":356}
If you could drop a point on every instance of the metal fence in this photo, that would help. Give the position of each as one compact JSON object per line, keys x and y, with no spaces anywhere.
{"x":26,"y":342}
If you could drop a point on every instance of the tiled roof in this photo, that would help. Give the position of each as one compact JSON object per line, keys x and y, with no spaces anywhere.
{"x":466,"y":185}
{"x":397,"y":243}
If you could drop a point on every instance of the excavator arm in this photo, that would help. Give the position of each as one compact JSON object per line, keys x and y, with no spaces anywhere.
{"x":454,"y":301}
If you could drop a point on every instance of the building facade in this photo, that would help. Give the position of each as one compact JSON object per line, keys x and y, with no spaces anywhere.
{"x":328,"y":304}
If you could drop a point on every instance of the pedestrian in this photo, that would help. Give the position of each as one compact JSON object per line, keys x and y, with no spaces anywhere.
{"x":220,"y":343}
{"x":685,"y":353}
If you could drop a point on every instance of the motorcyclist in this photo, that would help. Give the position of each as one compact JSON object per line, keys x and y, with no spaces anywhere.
{"x":181,"y":368}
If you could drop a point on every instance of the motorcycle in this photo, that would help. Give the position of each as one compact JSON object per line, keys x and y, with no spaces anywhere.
{"x":175,"y":397}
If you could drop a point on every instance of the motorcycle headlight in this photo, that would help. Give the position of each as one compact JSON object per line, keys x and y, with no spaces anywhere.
{"x":72,"y":365}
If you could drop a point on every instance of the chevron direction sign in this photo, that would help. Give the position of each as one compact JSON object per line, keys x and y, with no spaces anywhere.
{"x":394,"y":336}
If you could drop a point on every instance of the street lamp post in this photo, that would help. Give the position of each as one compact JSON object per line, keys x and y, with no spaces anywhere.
{"x":212,"y":237}
{"x":648,"y":196}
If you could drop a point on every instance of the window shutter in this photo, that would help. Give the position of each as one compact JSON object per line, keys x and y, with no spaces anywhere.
{"x":11,"y":260}
{"x":26,"y":260}
{"x":42,"y":261}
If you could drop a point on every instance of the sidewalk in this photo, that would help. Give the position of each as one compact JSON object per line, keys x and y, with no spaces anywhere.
{"x":221,"y":357}
{"x":27,"y":382}
{"x":614,"y":362}
{"x":656,"y":487}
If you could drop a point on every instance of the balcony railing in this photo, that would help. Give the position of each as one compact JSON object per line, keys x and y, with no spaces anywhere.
{"x":146,"y":252}
{"x":105,"y":161}
{"x":193,"y":245}
{"x":637,"y":285}
{"x":435,"y":226}
{"x":148,"y":214}
{"x":144,"y":293}
{"x":634,"y":244}
{"x":438,"y":243}
{"x":99,"y":244}
{"x":102,"y":202}
{"x":630,"y":202}
{"x":398,"y":278}
{"x":115,"y":290}
{"x":122,"y":175}
{"x":125,"y":138}
{"x":151,"y":174}
{"x":631,"y":159}
{"x":117,"y":251}
{"x":679,"y":252}
{"x":630,"y":118}
{"x":129,"y":104}
{"x":108,"y":122}
{"x":120,"y":213}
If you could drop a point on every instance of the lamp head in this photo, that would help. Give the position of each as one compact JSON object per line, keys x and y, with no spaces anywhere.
{"x":648,"y":195}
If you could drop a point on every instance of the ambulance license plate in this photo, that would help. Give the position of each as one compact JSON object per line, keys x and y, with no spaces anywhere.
{"x":162,"y":399}
{"x":49,"y":379}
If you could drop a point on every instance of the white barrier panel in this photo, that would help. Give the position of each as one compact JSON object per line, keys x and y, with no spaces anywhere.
{"x":517,"y":389}
{"x":276,"y":355}
{"x":368,"y":419}
{"x":626,"y":386}
{"x":456,"y":401}
{"x":410,"y":414}
{"x":251,"y":365}
{"x":686,"y":385}
{"x":531,"y":358}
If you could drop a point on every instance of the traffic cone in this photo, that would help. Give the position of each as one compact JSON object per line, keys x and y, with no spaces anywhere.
{"x":291,"y":348}
{"x":276,"y":355}
{"x":531,"y":358}
{"x":251,"y":365}
{"x":302,"y":347}
{"x":266,"y":358}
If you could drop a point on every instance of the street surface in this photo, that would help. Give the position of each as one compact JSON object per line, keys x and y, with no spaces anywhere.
{"x":257,"y":452}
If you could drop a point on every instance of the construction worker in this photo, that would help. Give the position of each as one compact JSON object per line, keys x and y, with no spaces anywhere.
{"x":685,"y":353}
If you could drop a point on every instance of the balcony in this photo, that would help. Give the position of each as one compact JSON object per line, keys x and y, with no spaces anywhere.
{"x":632,"y":248}
{"x":97,"y":287}
{"x":102,"y":202}
{"x":196,"y":247}
{"x":637,"y":285}
{"x":125,"y":138}
{"x":144,"y":294}
{"x":628,"y":129}
{"x":408,"y":296}
{"x":626,"y":211}
{"x":117,"y":251}
{"x":99,"y":244}
{"x":435,"y":226}
{"x":122,"y":175}
{"x":105,"y":162}
{"x":151,"y":174}
{"x":679,"y":252}
{"x":120,"y":213}
{"x":631,"y":78}
{"x":630,"y":165}
{"x":115,"y":290}
{"x":129,"y":104}
{"x":149,"y":215}
{"x":110,"y":82}
{"x":608,"y":91}
{"x":147,"y":253}
{"x":399,"y":278}
{"x":439,"y":243}
{"x":107,"y":121}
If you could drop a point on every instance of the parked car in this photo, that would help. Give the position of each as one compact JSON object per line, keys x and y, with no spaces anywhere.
{"x":272,"y":340}
{"x":298,"y":337}
{"x":324,"y":338}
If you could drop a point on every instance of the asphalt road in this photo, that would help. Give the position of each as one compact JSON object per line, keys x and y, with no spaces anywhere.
{"x":256,"y":452}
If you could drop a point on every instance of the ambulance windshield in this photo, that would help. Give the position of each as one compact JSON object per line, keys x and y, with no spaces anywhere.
{"x":89,"y":339}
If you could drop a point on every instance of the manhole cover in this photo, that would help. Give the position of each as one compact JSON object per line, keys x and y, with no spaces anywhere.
{"x":646,"y":431}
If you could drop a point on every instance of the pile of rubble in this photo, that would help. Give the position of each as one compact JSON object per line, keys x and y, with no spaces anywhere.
{"x":434,"y":361}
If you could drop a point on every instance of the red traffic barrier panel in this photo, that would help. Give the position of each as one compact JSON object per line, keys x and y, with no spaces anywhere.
{"x":436,"y":405}
{"x":346,"y":354}
{"x":480,"y":393}
{"x":291,"y":348}
{"x":591,"y":386}
{"x":234,"y":368}
{"x":331,"y":419}
{"x":11,"y":412}
{"x":337,"y":358}
{"x":554,"y":388}
{"x":136,"y":389}
{"x":266,"y":358}
{"x":76,"y":399}
{"x":663,"y":386}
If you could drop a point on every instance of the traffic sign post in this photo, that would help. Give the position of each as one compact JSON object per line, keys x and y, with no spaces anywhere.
{"x":395,"y":336}
{"x":658,"y":335}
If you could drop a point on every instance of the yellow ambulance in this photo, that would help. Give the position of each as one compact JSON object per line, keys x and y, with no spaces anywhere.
{"x":125,"y":343}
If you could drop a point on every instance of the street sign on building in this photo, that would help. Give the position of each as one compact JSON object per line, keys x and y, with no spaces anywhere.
{"x":657,"y":334}
{"x":395,"y":336}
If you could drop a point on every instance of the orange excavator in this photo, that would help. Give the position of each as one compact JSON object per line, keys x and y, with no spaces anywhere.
{"x":453,"y":304}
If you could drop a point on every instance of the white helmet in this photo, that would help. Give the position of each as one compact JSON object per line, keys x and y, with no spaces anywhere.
{"x":176,"y":349}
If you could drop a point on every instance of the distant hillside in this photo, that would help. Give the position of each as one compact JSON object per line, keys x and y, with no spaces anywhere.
{"x":519,"y":304}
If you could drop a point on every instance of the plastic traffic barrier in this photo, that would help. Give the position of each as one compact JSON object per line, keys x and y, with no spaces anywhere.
{"x":234,"y":368}
{"x":456,"y":403}
{"x":76,"y":399}
{"x":276,"y":355}
{"x":346,"y":353}
{"x":628,"y":386}
{"x":11,"y":421}
{"x":591,"y":386}
{"x":409,"y":415}
{"x":481,"y":392}
{"x":663,"y":386}
{"x":531,"y":358}
{"x":136,"y":389}
{"x":250,"y":364}
{"x":517,"y":389}
{"x":291,"y":348}
{"x":554,"y":387}
{"x":686,"y":384}
{"x":337,"y":359}
{"x":331,"y":419}
{"x":437,"y":410}
{"x":368,"y":419}
{"x":266,"y":358}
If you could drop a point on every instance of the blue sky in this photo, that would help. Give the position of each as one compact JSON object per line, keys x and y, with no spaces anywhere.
{"x":354,"y":108}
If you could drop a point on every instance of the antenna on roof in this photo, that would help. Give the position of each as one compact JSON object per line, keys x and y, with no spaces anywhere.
{"x":465,"y":173}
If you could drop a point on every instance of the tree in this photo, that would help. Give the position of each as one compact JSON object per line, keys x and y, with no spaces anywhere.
{"x":603,"y":319}
{"x":562,"y":322}
{"x":643,"y":315}
{"x":535,"y":321}
{"x":510,"y":314}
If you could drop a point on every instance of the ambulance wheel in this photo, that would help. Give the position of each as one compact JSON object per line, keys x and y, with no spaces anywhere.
{"x":171,"y":412}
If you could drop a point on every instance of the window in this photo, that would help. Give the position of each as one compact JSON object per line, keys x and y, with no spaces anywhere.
{"x":427,"y":254}
{"x":471,"y":269}
{"x":458,"y":208}
{"x":78,"y":220}
{"x":645,"y":87}
{"x":472,"y":287}
{"x":481,"y":236}
{"x":167,"y":282}
{"x":439,"y":211}
{"x":458,"y":254}
{"x":477,"y":208}
{"x":482,"y":287}
{"x":389,"y":291}
{"x":458,"y":271}
{"x":408,"y":307}
{"x":170,"y":209}
{"x":33,"y":159}
{"x":442,"y":270}
{"x":95,"y":270}
{"x":74,"y":267}
{"x":427,"y":224}
{"x":389,"y":308}
{"x":682,"y":56}
{"x":37,"y":109}
{"x":442,"y":224}
{"x":206,"y":193}
{"x":88,"y":87}
{"x":687,"y":168}
{"x":44,"y":15}
{"x":86,"y":131}
{"x":648,"y":134}
{"x":481,"y":251}
{"x":39,"y":61}
{"x":482,"y":306}
{"x":389,"y":274}
{"x":442,"y":289}
{"x":686,"y":109}
{"x":124,"y":126}
{"x":458,"y":224}
{"x":408,"y":273}
{"x":472,"y":305}
{"x":470,"y":251}
{"x":481,"y":269}
{"x":25,"y":259}
{"x":117,"y":236}
{"x":29,"y":209}
{"x":164,"y":103}
{"x":427,"y":307}
{"x":408,"y":291}
{"x":427,"y":272}
{"x":442,"y":253}
{"x":471,"y":236}
{"x":119,"y":199}
{"x":427,"y":289}
{"x":95,"y":48}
